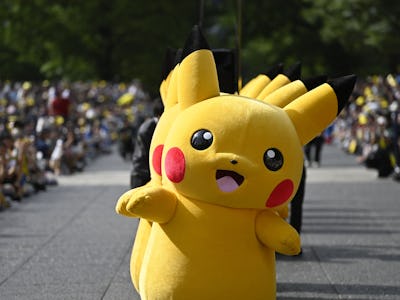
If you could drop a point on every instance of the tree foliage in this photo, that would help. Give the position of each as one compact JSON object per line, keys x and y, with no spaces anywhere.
{"x":124,"y":39}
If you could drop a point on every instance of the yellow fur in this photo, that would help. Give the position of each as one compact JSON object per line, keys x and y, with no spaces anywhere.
{"x":275,"y":84}
{"x":253,"y":88}
{"x":228,"y":164}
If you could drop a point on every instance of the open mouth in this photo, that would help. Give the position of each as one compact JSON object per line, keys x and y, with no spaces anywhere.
{"x":228,"y":181}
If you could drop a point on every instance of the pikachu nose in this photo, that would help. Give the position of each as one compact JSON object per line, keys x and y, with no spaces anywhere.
{"x":234,"y":161}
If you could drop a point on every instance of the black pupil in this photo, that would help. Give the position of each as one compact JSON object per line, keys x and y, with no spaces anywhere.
{"x":273,"y":159}
{"x":202,"y":139}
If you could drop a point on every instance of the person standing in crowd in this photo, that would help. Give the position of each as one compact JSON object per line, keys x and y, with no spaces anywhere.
{"x":140,"y":173}
{"x":314,"y":147}
{"x":61,"y":105}
{"x":125,"y":139}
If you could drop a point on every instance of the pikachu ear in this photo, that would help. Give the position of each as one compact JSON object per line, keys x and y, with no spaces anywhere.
{"x":253,"y":88}
{"x":197,"y":76}
{"x":287,"y":93}
{"x":167,"y":67}
{"x":312,"y":112}
{"x":171,"y":95}
{"x":169,"y":82}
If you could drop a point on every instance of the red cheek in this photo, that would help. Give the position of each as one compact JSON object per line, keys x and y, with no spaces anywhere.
{"x":280,"y":194}
{"x":175,"y":165}
{"x":156,"y":159}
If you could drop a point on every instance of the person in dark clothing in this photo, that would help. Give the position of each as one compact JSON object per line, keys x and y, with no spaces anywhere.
{"x":296,"y":206}
{"x":317,"y":144}
{"x":140,"y":173}
{"x":125,"y":141}
{"x":395,"y":120}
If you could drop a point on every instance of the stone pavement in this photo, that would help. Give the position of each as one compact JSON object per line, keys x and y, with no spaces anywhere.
{"x":68,"y":243}
{"x":351,"y":235}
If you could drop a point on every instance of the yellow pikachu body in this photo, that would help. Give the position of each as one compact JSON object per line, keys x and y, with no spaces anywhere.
{"x":228,"y":164}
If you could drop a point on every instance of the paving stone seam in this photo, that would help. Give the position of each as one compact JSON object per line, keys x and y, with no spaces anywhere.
{"x":326,"y":274}
{"x":126,"y":252}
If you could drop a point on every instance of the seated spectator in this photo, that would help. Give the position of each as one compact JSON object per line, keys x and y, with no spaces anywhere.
{"x":3,"y":167}
{"x":13,"y":169}
{"x":56,"y":157}
{"x":73,"y":151}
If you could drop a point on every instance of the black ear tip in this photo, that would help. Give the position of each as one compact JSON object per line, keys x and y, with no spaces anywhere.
{"x":343,"y":87}
{"x":294,"y":71}
{"x":312,"y":82}
{"x":194,"y":42}
{"x":274,"y":71}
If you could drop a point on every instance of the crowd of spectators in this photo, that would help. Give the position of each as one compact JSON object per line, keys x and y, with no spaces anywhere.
{"x":52,"y":129}
{"x":369,"y":128}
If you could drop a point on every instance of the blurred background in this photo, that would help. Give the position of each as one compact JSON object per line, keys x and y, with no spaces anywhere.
{"x":123,"y":39}
{"x":78,"y":77}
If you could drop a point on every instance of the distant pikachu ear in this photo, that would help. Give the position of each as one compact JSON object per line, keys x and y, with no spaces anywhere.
{"x":171,"y":97}
{"x":287,"y":93}
{"x":172,"y":59}
{"x":197,"y":76}
{"x":167,"y":68}
{"x":253,"y":88}
{"x":312,"y":112}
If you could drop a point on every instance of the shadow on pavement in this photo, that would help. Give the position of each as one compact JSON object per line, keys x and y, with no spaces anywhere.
{"x":345,"y":289}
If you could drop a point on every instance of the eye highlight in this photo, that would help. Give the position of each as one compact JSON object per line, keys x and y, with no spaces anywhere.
{"x":273,"y":159}
{"x":201,"y":139}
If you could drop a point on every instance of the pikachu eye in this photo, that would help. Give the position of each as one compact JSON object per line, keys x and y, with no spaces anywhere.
{"x":273,"y":159}
{"x":202,"y":139}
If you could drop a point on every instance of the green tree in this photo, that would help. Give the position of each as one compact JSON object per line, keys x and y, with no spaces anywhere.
{"x":112,"y":40}
{"x":328,"y":36}
{"x":124,"y":39}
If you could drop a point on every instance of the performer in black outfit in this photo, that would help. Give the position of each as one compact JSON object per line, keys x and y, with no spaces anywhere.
{"x":140,"y":173}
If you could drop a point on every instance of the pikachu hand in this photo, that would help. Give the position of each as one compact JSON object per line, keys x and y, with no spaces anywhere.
{"x":153,"y":203}
{"x":276,"y":234}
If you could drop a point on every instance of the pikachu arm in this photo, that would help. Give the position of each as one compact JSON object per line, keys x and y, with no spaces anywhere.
{"x":153,"y":203}
{"x":120,"y":208}
{"x":276,"y":234}
{"x":283,"y":211}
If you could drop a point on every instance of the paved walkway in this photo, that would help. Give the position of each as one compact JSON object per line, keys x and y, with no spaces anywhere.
{"x":68,"y":243}
{"x":351,"y":236}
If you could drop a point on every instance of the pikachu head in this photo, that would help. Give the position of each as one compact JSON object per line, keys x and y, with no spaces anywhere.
{"x":238,"y":152}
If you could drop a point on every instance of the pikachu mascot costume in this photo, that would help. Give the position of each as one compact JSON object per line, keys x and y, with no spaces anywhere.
{"x":228,"y":162}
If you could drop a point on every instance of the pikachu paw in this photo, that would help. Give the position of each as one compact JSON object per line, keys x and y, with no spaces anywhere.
{"x":128,"y":201}
{"x":153,"y":203}
{"x":291,"y":245}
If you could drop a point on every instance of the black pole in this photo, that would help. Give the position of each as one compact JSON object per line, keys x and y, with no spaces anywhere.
{"x":201,"y":13}
{"x":239,"y":43}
